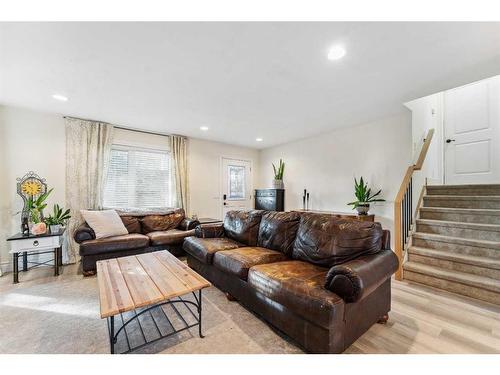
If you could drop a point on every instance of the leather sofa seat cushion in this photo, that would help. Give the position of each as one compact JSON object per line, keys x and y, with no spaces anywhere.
{"x":116,"y":243}
{"x":326,"y":241}
{"x":154,"y":223}
{"x":131,"y":223}
{"x":298,"y":286}
{"x":204,"y":249}
{"x":238,"y":261}
{"x":277,"y":231}
{"x":243,"y":226}
{"x":169,"y":237}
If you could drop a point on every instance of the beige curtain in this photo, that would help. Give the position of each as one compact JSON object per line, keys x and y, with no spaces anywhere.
{"x":88,"y":145}
{"x":178,"y":150}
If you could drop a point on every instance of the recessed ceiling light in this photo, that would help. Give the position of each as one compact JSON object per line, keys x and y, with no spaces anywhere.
{"x":259,"y":139}
{"x":336,"y":52}
{"x":204,"y":128}
{"x":61,"y":98}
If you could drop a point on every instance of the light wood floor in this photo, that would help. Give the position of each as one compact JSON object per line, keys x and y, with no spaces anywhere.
{"x":427,"y":320}
{"x":422,"y":320}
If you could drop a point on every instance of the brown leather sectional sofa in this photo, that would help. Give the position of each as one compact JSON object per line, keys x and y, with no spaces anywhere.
{"x":322,"y":280}
{"x":148,"y":231}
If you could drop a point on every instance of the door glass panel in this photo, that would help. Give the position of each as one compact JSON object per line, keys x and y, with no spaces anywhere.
{"x":236,"y":182}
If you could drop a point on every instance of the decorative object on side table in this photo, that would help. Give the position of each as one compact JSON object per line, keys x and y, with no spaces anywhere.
{"x":364,"y":197}
{"x":57,"y":219}
{"x":278,"y":175}
{"x":33,"y":190}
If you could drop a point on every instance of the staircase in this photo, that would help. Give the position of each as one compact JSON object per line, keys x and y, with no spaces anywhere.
{"x":455,"y":244}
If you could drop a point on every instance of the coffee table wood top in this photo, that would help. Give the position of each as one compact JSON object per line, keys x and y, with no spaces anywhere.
{"x":140,"y":280}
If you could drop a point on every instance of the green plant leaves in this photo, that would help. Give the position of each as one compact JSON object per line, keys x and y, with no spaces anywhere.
{"x":363,"y":193}
{"x":278,"y":172}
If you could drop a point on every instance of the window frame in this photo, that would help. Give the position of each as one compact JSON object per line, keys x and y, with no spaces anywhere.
{"x":132,"y":146}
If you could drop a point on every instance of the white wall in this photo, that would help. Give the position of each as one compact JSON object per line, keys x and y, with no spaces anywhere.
{"x":427,"y":113}
{"x":205,"y":174}
{"x":35,"y":141}
{"x":326,"y":165}
{"x":29,"y":141}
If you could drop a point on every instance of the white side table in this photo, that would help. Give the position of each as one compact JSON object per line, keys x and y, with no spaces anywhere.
{"x":26,"y":246}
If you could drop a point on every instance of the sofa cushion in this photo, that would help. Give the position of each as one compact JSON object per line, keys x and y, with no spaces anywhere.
{"x":131,"y":223}
{"x":299,"y":286}
{"x":116,"y":243}
{"x":277,"y":231}
{"x":154,"y":223}
{"x":204,"y":249}
{"x":243,"y":226}
{"x":325,"y":240}
{"x":238,"y":261}
{"x":169,"y":237}
{"x":104,"y":223}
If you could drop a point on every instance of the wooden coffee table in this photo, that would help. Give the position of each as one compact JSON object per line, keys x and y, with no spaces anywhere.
{"x":139,"y":289}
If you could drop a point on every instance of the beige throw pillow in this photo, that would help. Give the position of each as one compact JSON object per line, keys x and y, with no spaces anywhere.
{"x":104,"y":223}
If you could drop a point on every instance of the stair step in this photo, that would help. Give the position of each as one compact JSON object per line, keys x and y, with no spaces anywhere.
{"x":464,"y":215}
{"x":474,"y":247}
{"x":485,"y":189}
{"x":480,"y":287}
{"x":490,"y":232}
{"x":481,"y":266}
{"x":462,"y":201}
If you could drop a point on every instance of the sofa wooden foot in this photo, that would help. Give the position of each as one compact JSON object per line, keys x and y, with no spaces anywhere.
{"x":383,"y":319}
{"x":89,"y":273}
{"x":230,"y":297}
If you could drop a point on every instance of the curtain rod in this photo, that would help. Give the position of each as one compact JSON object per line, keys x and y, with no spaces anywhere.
{"x":123,"y":128}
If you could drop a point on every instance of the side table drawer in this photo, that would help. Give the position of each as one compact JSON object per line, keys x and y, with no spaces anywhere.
{"x":35,"y":243}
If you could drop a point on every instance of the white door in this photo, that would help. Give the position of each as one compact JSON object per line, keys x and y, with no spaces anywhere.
{"x":236,"y":185}
{"x":472,"y":133}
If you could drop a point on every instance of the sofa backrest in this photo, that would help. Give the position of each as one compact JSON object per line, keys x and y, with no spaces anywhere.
{"x":325,"y":240}
{"x":243,"y":226}
{"x":146,"y":221}
{"x":277,"y":231}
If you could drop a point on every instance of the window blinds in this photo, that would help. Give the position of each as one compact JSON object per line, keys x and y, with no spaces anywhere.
{"x":138,"y":178}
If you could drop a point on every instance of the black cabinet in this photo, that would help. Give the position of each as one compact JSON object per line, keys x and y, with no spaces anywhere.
{"x":270,"y":199}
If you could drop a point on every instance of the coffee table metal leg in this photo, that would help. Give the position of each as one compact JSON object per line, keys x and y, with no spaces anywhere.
{"x":199,"y":314}
{"x":112,"y":334}
{"x":15,"y":264}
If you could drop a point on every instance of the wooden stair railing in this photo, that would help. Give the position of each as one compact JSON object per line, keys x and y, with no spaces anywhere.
{"x":403,"y":206}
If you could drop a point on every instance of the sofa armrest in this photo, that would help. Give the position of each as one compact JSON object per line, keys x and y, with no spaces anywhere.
{"x":188,"y":224}
{"x":209,"y":230}
{"x":83,"y":233}
{"x":359,"y":277}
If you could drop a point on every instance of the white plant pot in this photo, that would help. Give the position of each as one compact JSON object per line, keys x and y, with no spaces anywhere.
{"x":55,"y":228}
{"x":363,"y":208}
{"x":278,"y":184}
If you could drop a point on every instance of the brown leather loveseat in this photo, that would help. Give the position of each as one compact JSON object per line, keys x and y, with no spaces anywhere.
{"x":322,"y":280}
{"x":148,"y":231}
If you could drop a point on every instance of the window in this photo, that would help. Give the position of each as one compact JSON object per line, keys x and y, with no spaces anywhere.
{"x":138,"y":178}
{"x":236,"y":182}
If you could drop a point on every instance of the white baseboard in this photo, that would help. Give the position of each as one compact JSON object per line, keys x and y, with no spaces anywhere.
{"x":5,"y":267}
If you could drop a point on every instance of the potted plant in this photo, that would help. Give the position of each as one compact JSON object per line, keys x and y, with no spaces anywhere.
{"x":278,"y":175}
{"x":35,"y":211}
{"x":364,"y":197}
{"x":58,"y":219}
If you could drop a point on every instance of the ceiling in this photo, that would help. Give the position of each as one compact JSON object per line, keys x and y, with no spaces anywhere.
{"x":242,"y":80}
